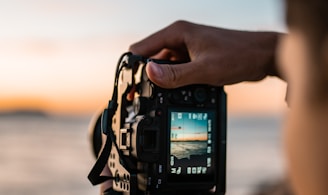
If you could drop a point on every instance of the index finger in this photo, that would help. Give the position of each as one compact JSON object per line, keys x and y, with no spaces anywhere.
{"x":171,"y":37}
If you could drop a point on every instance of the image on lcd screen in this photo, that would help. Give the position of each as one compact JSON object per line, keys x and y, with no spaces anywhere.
{"x":191,"y":142}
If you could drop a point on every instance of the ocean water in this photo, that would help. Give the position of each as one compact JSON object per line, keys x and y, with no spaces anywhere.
{"x":52,"y":155}
{"x":184,"y":149}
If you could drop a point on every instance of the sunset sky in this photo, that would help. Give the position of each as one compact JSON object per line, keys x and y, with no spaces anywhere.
{"x":187,"y":126}
{"x":59,"y":55}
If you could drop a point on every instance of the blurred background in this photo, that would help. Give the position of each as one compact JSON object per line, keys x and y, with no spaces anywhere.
{"x":57,"y":62}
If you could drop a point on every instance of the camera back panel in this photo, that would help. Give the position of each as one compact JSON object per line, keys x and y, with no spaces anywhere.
{"x":173,"y":140}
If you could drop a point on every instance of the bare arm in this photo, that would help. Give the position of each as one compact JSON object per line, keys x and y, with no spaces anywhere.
{"x":217,"y":56}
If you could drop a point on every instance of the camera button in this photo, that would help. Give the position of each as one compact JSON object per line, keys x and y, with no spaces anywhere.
{"x":200,"y":95}
{"x":186,"y":98}
{"x":159,"y":112}
{"x":213,"y":100}
{"x":160,"y":169}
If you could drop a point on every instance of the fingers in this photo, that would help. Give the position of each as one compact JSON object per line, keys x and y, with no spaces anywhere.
{"x":172,"y":76}
{"x":217,"y":56}
{"x":107,"y":184}
{"x":171,"y":37}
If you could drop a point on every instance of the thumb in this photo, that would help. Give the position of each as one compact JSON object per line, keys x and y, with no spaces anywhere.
{"x":170,"y":76}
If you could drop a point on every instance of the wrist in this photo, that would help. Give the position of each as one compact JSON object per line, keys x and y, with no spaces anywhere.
{"x":272,"y":68}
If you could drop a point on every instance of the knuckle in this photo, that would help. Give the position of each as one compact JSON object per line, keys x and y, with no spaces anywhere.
{"x":181,"y":25}
{"x":134,"y":48}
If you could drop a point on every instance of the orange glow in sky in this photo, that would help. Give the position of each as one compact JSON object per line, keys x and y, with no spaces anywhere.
{"x":60,"y":56}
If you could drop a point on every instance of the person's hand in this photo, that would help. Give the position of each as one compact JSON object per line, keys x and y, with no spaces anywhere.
{"x":214,"y":56}
{"x":107,"y":184}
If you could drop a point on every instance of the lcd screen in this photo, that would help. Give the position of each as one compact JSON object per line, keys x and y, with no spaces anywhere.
{"x":191,"y":146}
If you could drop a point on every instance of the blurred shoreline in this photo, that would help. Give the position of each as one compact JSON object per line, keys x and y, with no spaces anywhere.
{"x":49,"y":154}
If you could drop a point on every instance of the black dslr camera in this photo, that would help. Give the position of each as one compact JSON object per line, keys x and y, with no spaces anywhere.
{"x":160,"y":141}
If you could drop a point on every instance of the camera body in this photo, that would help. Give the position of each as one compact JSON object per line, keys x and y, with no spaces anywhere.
{"x":170,"y":141}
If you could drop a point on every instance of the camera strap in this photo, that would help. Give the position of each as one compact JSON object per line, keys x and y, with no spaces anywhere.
{"x":95,"y":176}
